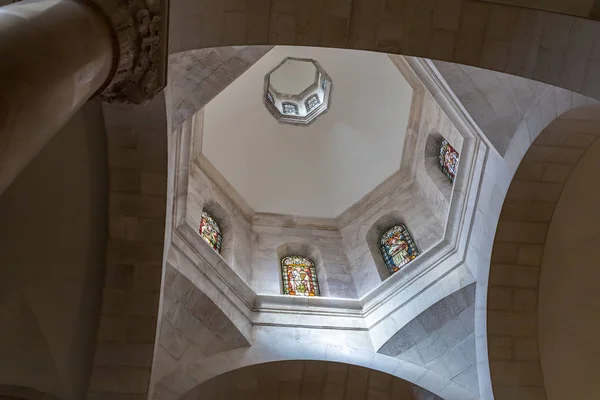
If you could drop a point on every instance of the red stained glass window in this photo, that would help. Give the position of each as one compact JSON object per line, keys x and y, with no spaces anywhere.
{"x":299,"y":276}
{"x":210,"y":231}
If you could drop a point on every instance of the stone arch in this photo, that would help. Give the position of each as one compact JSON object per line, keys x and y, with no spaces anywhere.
{"x":305,"y":379}
{"x":415,"y":376}
{"x":519,"y":41}
{"x":15,"y":392}
{"x":305,"y":250}
{"x":518,"y":247}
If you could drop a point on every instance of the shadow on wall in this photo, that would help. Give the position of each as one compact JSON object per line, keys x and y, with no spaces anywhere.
{"x":432,"y":164}
{"x":13,"y":392}
{"x":318,"y":380}
{"x":441,"y":339}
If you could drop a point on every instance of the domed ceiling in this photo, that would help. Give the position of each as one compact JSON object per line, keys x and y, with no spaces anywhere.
{"x":315,"y":170}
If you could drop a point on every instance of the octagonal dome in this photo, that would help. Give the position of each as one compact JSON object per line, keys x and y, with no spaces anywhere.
{"x":309,"y":170}
{"x":297,"y":90}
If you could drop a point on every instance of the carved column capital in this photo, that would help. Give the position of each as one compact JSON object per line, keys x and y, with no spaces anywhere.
{"x":140,"y":35}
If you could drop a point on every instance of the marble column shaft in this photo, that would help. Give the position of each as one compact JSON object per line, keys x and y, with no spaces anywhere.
{"x":54,"y":55}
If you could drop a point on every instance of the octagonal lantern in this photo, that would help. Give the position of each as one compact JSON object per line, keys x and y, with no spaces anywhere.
{"x":297,"y":91}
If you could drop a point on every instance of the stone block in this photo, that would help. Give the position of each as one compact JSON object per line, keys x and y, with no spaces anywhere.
{"x":530,"y":254}
{"x":501,"y":323}
{"x":557,"y":173}
{"x":149,"y":230}
{"x":356,"y":383}
{"x":525,"y":300}
{"x":123,"y":138}
{"x":500,"y":298}
{"x":123,"y":355}
{"x":332,"y":391}
{"x":526,"y":349}
{"x":123,"y":158}
{"x":534,"y":191}
{"x":514,"y":210}
{"x":521,"y":232}
{"x":120,"y":380}
{"x":124,"y":180}
{"x":147,"y":277}
{"x":471,"y":32}
{"x":514,"y":276}
{"x":121,"y":227}
{"x":124,"y":204}
{"x":112,"y":328}
{"x":119,"y":276}
{"x":500,"y":348}
{"x":553,"y":155}
{"x":505,"y":253}
{"x":153,"y":184}
{"x":141,"y":329}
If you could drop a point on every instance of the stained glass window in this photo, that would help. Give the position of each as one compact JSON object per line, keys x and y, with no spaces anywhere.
{"x":312,"y":102}
{"x":290,"y":108}
{"x":299,"y":276}
{"x":210,"y":231}
{"x":323,"y":82}
{"x":270,"y":97}
{"x":397,"y":247}
{"x":448,"y":160}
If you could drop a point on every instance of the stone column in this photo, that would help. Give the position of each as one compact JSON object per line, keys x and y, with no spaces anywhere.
{"x":56,"y":54}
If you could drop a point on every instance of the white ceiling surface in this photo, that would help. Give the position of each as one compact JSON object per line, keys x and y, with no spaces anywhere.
{"x":293,"y":76}
{"x":318,"y":170}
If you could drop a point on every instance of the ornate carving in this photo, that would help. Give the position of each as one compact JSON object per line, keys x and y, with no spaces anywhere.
{"x":140,"y":28}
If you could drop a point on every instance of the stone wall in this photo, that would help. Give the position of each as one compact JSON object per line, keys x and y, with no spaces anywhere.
{"x":402,"y":205}
{"x":421,"y":205}
{"x":53,"y":225}
{"x":553,"y":48}
{"x":322,"y":245}
{"x":318,"y":380}
{"x":238,"y":238}
{"x":137,"y":162}
{"x":497,"y":102}
{"x":196,"y":76}
{"x":192,"y":328}
{"x":512,"y":324}
{"x":434,"y":186}
{"x":442,"y":339}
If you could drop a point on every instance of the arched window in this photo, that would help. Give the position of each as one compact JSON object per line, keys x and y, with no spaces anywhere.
{"x":397,"y":247}
{"x":289,"y":108}
{"x":299,"y":276}
{"x":312,"y":102}
{"x":210,"y":231}
{"x":448,"y":160}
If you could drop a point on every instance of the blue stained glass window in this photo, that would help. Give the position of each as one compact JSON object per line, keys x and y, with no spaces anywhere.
{"x":397,"y":247}
{"x":312,"y":102}
{"x":448,"y":160}
{"x":290,"y":108}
